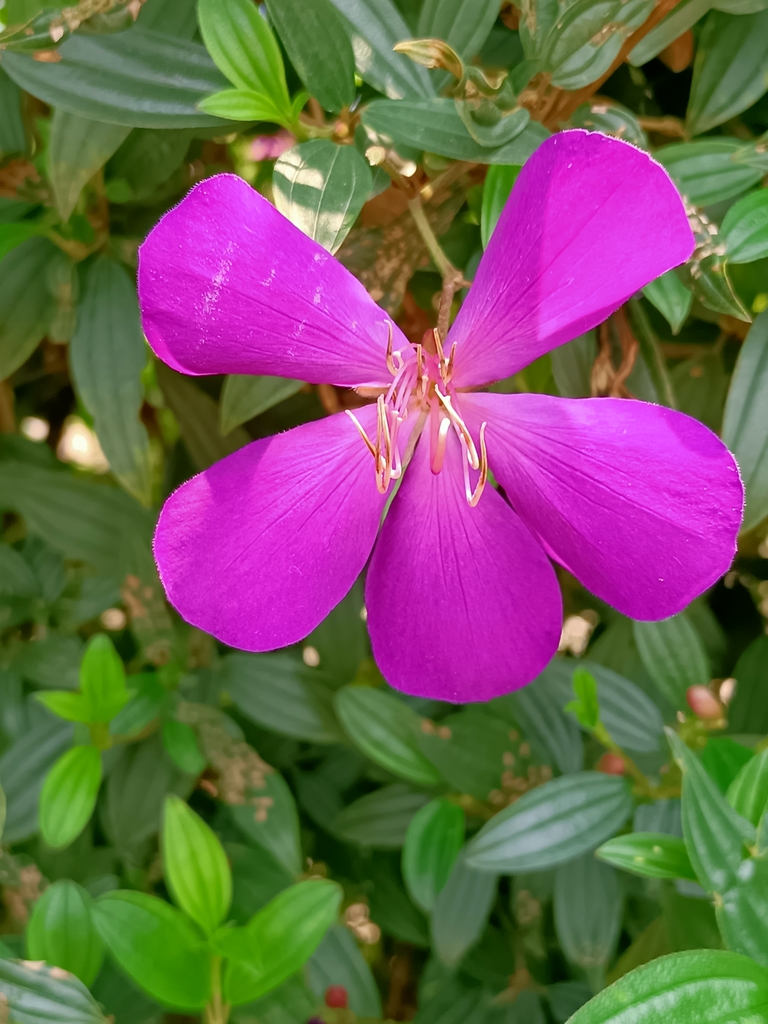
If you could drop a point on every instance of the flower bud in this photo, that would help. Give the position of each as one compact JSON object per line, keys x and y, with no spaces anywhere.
{"x":611,"y":764}
{"x":703,"y":703}
{"x":336,"y":997}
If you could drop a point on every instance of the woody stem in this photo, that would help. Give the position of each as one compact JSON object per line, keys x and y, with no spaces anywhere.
{"x":453,"y":279}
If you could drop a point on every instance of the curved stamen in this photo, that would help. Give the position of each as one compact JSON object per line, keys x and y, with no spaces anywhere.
{"x":474,"y":496}
{"x":461,"y":428}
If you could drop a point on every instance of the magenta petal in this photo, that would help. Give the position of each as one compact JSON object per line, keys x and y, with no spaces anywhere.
{"x":228,"y":285}
{"x":590,"y":221}
{"x":642,"y":504}
{"x":463,"y":604}
{"x":260,"y":547}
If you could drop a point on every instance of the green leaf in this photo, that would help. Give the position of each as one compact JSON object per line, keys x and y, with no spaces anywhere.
{"x":107,"y":356}
{"x":588,"y":911}
{"x":745,"y":229}
{"x":723,"y":759}
{"x":157,"y":946}
{"x":684,"y":15}
{"x":138,"y":78}
{"x":241,"y":105}
{"x":280,"y":693}
{"x":341,"y":639}
{"x":463,"y":24}
{"x":540,"y":709}
{"x":73,"y":707}
{"x":748,"y":793}
{"x":77,"y":148}
{"x":385,"y":729}
{"x":742,"y":914}
{"x":374,"y":27}
{"x":745,"y":429}
{"x":271,"y":820}
{"x":13,"y":137}
{"x":68,"y":796}
{"x":338,"y":961}
{"x":673,"y":655}
{"x":552,"y":824}
{"x":26,"y":303}
{"x":672,"y":299}
{"x":321,"y":187}
{"x":649,"y":854}
{"x":53,"y":660}
{"x":710,"y":170}
{"x":610,"y":119}
{"x":195,"y":865}
{"x":149,"y":157}
{"x":714,"y":833}
{"x":461,"y":910}
{"x":316,"y":40}
{"x":697,"y":987}
{"x":243,"y":46}
{"x":148,"y":703}
{"x":16,"y":577}
{"x":244,"y":397}
{"x":572,"y":366}
{"x":432,"y":842}
{"x":36,"y":994}
{"x":175,"y":17}
{"x":435,"y":126}
{"x":23,"y":767}
{"x":380,"y":819}
{"x":281,"y":938}
{"x":102,"y":678}
{"x":182,"y":747}
{"x":61,"y":931}
{"x":256,"y":879}
{"x":3,"y":810}
{"x":586,"y":707}
{"x":12,"y":235}
{"x":729,"y":72}
{"x":709,"y":281}
{"x":496,"y":190}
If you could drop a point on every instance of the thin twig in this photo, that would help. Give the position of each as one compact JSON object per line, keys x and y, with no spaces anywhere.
{"x":453,"y":279}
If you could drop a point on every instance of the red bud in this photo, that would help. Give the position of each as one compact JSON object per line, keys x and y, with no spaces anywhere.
{"x":611,"y":764}
{"x":703,"y":703}
{"x":336,"y":997}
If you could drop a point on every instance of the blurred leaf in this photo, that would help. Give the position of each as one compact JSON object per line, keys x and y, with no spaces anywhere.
{"x":391,"y":908}
{"x":433,"y":840}
{"x":107,"y":356}
{"x":176,"y":17}
{"x":649,"y":854}
{"x":244,"y":397}
{"x":338,"y":961}
{"x":321,"y":188}
{"x":745,"y":429}
{"x":586,"y":707}
{"x":53,"y":660}
{"x":701,"y":987}
{"x":385,"y":729}
{"x":745,"y":228}
{"x":572,"y":366}
{"x":61,"y":932}
{"x":463,"y":24}
{"x":496,"y":190}
{"x":374,"y":27}
{"x":149,"y":157}
{"x":673,"y":655}
{"x":380,"y":819}
{"x":461,"y":910}
{"x":114,"y":990}
{"x":256,"y":879}
{"x":16,"y":577}
{"x":714,"y":833}
{"x":195,"y":866}
{"x":434,"y":125}
{"x":729,"y":72}
{"x":13,"y":137}
{"x":710,"y":170}
{"x":318,"y":45}
{"x":671,"y":27}
{"x":182,"y":747}
{"x":588,"y":911}
{"x":26,"y":303}
{"x":78,"y":148}
{"x":149,"y":702}
{"x":280,"y":693}
{"x":36,"y":994}
{"x":690,"y":921}
{"x":552,"y":824}
{"x":723,"y":759}
{"x":102,"y":678}
{"x":672,"y":299}
{"x":68,"y":796}
{"x":138,"y":78}
{"x":272,"y":822}
{"x":157,"y":946}
{"x":73,"y":707}
{"x":23,"y":767}
{"x":742,"y":914}
{"x":700,"y":385}
{"x":281,"y":938}
{"x":748,"y":792}
{"x":540,"y":706}
{"x":341,"y":639}
{"x":610,"y":119}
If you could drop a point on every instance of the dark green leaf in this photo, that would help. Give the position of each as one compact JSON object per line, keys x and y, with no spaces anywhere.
{"x":13,"y":137}
{"x":463,"y":24}
{"x":673,"y":655}
{"x":572,"y":366}
{"x":380,"y":819}
{"x":316,"y":40}
{"x":182,"y":747}
{"x":723,"y":759}
{"x":675,"y":24}
{"x":710,"y":170}
{"x":552,"y":824}
{"x":176,"y":17}
{"x":700,"y":385}
{"x":321,"y":188}
{"x":52,"y":661}
{"x":742,"y":915}
{"x":672,"y":299}
{"x":256,"y":879}
{"x":709,"y":281}
{"x":461,"y":910}
{"x":157,"y":946}
{"x":61,"y":932}
{"x":498,"y":185}
{"x":729,"y":72}
{"x":149,"y":702}
{"x":148,"y":157}
{"x":26,"y":302}
{"x":270,"y":819}
{"x":78,"y":148}
{"x":745,"y":429}
{"x":432,"y":843}
{"x":338,"y":961}
{"x":745,"y":229}
{"x":68,"y":796}
{"x":16,"y":578}
{"x":341,"y":639}
{"x":649,"y":854}
{"x":588,"y":911}
{"x":610,"y":119}
{"x":36,"y":994}
{"x":748,"y":793}
{"x":243,"y":397}
{"x":23,"y":767}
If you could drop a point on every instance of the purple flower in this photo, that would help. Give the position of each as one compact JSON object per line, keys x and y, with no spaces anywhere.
{"x":642,"y":504}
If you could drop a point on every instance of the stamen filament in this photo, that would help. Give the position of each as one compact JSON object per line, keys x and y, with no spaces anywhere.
{"x":474,"y":496}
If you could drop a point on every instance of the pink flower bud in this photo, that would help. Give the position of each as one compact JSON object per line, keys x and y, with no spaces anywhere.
{"x":336,"y":997}
{"x":703,"y":703}
{"x":611,"y":764}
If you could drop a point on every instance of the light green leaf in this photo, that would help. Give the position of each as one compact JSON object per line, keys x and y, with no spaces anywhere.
{"x":76,"y":150}
{"x":380,"y":819}
{"x":102,"y":678}
{"x":282,"y":937}
{"x":385,"y":729}
{"x":723,"y":759}
{"x":496,"y":190}
{"x":709,"y":170}
{"x":432,"y":842}
{"x":61,"y":931}
{"x":271,"y":820}
{"x":338,"y":961}
{"x":157,"y":946}
{"x":321,"y":187}
{"x":316,"y":39}
{"x":673,"y":655}
{"x":73,"y":707}
{"x":242,"y":105}
{"x":36,"y":994}
{"x":182,"y":747}
{"x":461,"y":910}
{"x":745,"y":428}
{"x":745,"y":229}
{"x":244,"y":397}
{"x":586,"y":707}
{"x":672,"y":299}
{"x":588,"y":911}
{"x":748,"y":793}
{"x":68,"y":796}
{"x":26,"y":302}
{"x":195,"y":865}
{"x":552,"y":824}
{"x":729,"y":73}
{"x":649,"y":854}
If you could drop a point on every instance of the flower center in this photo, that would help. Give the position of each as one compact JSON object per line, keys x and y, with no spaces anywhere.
{"x":421,"y":387}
